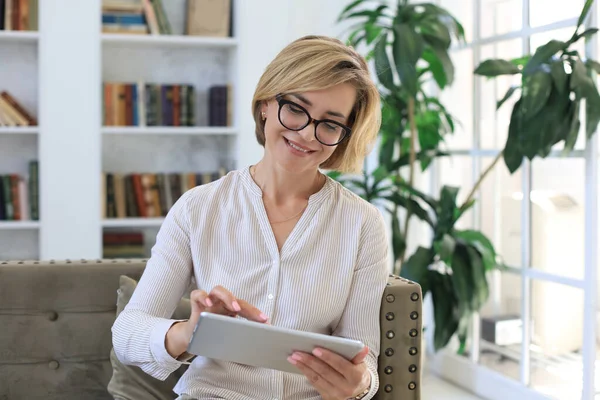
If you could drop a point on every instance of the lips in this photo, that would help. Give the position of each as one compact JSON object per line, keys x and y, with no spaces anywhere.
{"x":298,"y":147}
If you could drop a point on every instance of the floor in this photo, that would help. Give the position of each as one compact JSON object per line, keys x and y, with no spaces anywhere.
{"x":435,"y":388}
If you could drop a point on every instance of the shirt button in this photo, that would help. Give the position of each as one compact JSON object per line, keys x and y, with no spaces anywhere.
{"x":270,"y":297}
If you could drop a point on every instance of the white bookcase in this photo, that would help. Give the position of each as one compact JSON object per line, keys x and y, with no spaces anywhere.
{"x":58,"y":74}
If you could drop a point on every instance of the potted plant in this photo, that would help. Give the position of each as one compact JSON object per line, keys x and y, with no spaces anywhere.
{"x":409,"y":45}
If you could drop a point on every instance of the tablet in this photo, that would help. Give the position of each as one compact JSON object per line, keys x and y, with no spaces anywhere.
{"x":260,"y":345}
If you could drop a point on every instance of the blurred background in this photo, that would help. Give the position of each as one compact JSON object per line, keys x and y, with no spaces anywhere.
{"x":109,"y":110}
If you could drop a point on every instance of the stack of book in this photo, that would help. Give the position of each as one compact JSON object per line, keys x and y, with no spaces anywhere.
{"x":19,"y":198}
{"x":128,"y":244}
{"x":129,"y":104}
{"x":12,"y":113}
{"x":19,"y":15}
{"x":148,"y":195}
{"x":137,"y":18}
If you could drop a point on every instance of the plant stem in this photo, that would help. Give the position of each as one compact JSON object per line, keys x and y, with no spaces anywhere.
{"x":412,"y":160}
{"x":481,"y":178}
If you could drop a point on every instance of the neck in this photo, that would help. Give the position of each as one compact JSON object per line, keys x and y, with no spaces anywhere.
{"x":281,"y":186}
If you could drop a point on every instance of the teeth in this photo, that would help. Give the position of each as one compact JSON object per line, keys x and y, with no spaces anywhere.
{"x":296,"y":147}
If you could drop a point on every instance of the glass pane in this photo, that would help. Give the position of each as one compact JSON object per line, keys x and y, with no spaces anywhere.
{"x":500,"y":16}
{"x":502,"y":325}
{"x":557,"y":339}
{"x":557,"y":216}
{"x":462,"y":10}
{"x":494,"y":124}
{"x":540,"y":39}
{"x":458,"y":100}
{"x":543,"y":12}
{"x":457,"y":171}
{"x":500,"y":213}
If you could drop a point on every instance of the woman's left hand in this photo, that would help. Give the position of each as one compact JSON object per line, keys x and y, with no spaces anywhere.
{"x":334,"y":377}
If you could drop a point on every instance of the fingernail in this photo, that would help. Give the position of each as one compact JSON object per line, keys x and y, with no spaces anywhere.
{"x":296,"y":356}
{"x":236,"y":306}
{"x":209,"y":302}
{"x":291,"y":360}
{"x":263,"y":316}
{"x":317,"y":352}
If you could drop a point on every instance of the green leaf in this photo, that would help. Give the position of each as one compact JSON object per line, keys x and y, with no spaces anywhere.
{"x":507,"y":96}
{"x":573,"y":132}
{"x":581,"y":82}
{"x":480,"y":285}
{"x":398,"y":239}
{"x":445,"y":248}
{"x":536,"y":91}
{"x":447,"y":209}
{"x":444,"y":308}
{"x":462,"y":279}
{"x":592,"y":111}
{"x":382,"y":63}
{"x":543,"y":54}
{"x":386,"y":150}
{"x":512,"y":154}
{"x":584,"y":12}
{"x":495,"y":67}
{"x":349,"y":8}
{"x":585,"y":34}
{"x":462,"y":331}
{"x":433,"y":203}
{"x":407,"y":49}
{"x":444,"y":58}
{"x":436,"y":68}
{"x":417,"y":265}
{"x":521,"y":61}
{"x":436,"y":33}
{"x":482,"y":244}
{"x":559,"y":76}
{"x":593,"y":65}
{"x":412,"y":205}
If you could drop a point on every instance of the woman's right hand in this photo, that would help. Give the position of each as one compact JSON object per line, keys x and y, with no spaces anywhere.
{"x":218,"y":301}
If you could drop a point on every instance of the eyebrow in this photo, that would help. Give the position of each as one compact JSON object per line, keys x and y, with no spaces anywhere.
{"x":305,"y":100}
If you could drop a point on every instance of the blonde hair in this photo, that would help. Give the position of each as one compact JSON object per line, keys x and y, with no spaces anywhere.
{"x":316,"y":63}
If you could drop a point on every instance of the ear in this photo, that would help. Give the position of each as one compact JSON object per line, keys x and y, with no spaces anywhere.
{"x":264,"y":107}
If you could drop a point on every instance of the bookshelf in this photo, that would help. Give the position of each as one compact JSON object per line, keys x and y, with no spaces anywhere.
{"x":19,"y":144}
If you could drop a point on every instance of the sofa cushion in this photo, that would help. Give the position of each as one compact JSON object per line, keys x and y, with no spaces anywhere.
{"x":130,"y":382}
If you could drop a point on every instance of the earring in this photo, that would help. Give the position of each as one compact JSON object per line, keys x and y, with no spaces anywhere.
{"x":264,"y":115}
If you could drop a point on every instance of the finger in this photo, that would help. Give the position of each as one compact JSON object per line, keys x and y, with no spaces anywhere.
{"x":225,"y":296}
{"x":322,"y":385}
{"x":335,"y":361}
{"x":360,"y":357}
{"x":250,"y":312}
{"x":201,"y":297}
{"x":323,"y":369}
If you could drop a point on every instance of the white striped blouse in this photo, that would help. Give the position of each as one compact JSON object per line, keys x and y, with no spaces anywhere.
{"x":328,"y":278}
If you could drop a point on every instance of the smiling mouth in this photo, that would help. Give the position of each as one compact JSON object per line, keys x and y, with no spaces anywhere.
{"x":296,"y":146}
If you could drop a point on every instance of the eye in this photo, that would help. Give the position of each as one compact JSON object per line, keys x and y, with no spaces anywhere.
{"x":295,"y":110}
{"x":331,"y":127}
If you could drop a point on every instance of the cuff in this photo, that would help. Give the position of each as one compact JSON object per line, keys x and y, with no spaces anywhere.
{"x":157,"y":345}
{"x":374,"y":385}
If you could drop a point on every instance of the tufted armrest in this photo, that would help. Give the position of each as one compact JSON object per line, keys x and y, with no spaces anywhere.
{"x":401,"y":329}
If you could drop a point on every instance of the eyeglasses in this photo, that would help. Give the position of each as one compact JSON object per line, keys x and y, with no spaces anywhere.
{"x":295,"y":118}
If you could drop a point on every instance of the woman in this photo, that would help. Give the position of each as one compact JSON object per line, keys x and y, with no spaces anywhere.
{"x":277,"y":242}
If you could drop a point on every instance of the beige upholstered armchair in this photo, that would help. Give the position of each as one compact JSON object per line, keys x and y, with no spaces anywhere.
{"x":55,"y":336}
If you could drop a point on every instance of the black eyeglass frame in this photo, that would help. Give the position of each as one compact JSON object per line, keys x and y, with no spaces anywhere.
{"x":281,"y":101}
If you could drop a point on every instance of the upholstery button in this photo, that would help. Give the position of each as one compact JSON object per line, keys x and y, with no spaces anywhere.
{"x":412,"y":386}
{"x":413,"y":351}
{"x":388,"y":388}
{"x":390,"y":298}
{"x":414,"y":315}
{"x":53,"y":364}
{"x":414,"y":296}
{"x":390,"y":334}
{"x":388,"y":370}
{"x":52,"y":315}
{"x":389,"y":316}
{"x":413,"y":333}
{"x":412,"y":368}
{"x":389,"y":352}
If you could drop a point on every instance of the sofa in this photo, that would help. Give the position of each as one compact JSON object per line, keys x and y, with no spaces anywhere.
{"x":56,"y":319}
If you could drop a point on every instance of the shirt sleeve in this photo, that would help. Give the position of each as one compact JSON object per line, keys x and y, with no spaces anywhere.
{"x":140,"y":330}
{"x":360,"y":319}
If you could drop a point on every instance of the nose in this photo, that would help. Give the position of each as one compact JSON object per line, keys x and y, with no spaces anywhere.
{"x":308,"y":132}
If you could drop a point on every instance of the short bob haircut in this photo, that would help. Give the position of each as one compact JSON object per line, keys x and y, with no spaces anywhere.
{"x":320,"y":62}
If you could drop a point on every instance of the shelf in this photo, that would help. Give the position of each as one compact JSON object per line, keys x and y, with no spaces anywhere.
{"x":168,"y":41}
{"x":170,"y":130}
{"x":132,"y":222}
{"x":19,"y":36}
{"x":19,"y":225}
{"x":18,"y":130}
